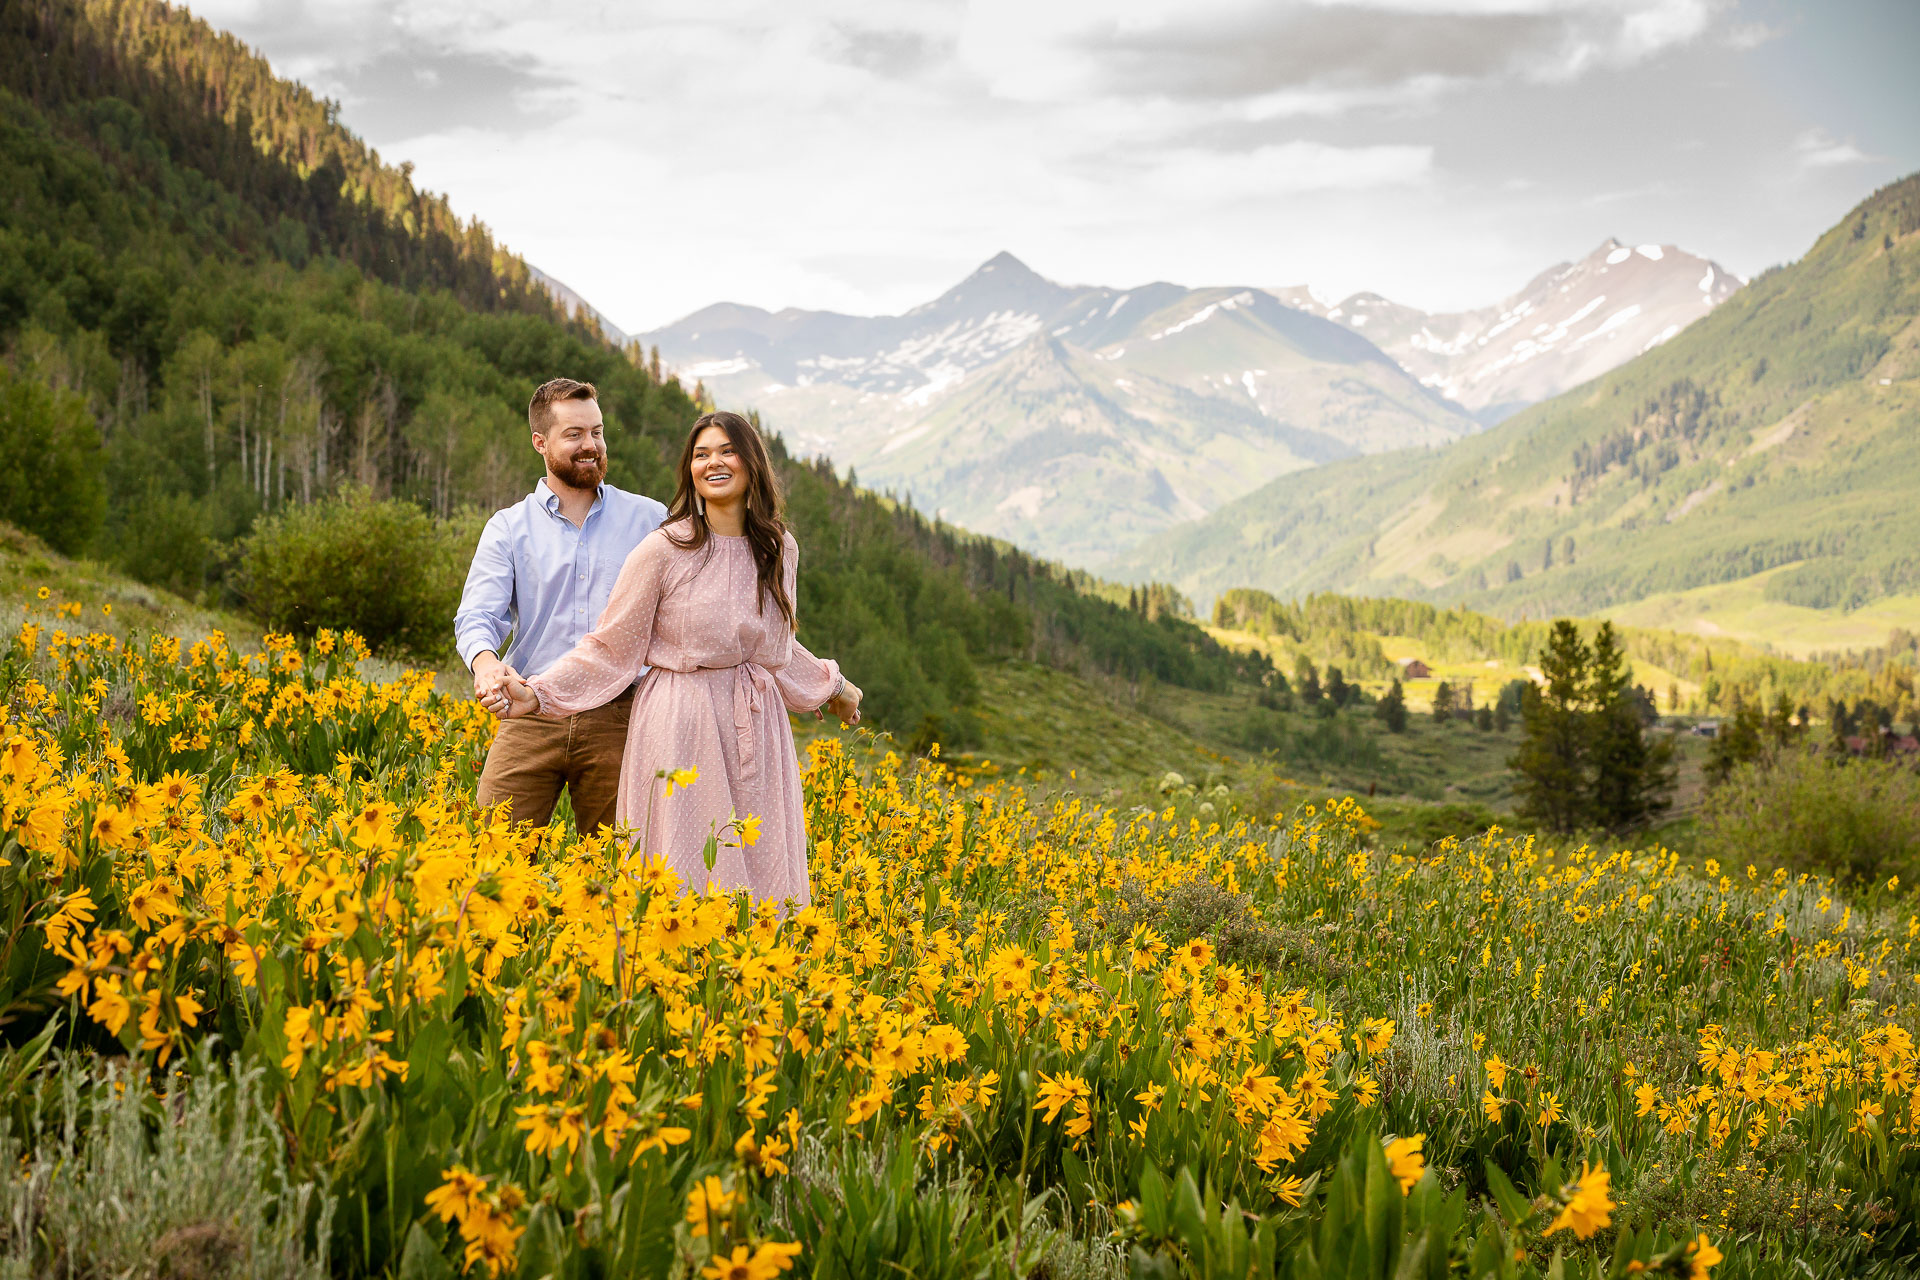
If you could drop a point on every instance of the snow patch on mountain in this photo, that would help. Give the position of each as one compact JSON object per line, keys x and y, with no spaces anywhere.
{"x":1498,"y":359}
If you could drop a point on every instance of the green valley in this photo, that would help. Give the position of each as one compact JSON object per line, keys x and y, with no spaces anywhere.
{"x":250,"y":310}
{"x":1781,"y":432}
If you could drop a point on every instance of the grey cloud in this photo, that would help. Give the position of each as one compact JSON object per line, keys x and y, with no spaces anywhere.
{"x":407,"y":92}
{"x":1335,"y":48}
{"x":892,"y":53}
{"x":399,"y":83}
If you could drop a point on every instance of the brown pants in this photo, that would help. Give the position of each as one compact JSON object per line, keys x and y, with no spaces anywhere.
{"x":533,"y":757}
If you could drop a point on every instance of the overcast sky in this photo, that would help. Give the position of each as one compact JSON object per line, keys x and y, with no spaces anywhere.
{"x":863,"y":155}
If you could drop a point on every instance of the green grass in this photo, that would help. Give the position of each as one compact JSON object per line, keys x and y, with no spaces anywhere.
{"x":109,"y":601}
{"x":1740,"y":610}
{"x":1777,"y":429}
{"x":1051,"y":728}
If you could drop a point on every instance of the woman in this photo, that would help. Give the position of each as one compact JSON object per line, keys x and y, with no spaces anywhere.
{"x":706,"y":602}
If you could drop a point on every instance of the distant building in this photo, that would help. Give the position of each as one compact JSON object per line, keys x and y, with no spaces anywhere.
{"x":1415,"y":669}
{"x":1707,"y":729}
{"x":1884,"y":742}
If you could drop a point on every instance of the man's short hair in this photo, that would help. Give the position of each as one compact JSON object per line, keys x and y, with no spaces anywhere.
{"x":550,"y":393}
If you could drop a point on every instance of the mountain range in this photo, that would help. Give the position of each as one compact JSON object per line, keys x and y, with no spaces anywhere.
{"x":1571,"y":323}
{"x":1776,"y":439}
{"x":1081,"y":420}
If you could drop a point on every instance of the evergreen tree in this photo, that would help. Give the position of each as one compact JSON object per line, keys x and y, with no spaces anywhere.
{"x":49,"y":464}
{"x":1632,"y":777}
{"x":1552,"y":760}
{"x":1308,"y":680}
{"x":1392,"y":709}
{"x":1839,"y":727}
{"x":1739,"y":741}
{"x":1483,"y":719}
{"x":1781,"y":729}
{"x":1339,"y":692}
{"x":1443,"y":702}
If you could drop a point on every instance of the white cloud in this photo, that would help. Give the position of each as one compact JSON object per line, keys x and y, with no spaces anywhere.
{"x":863,"y":154}
{"x":1818,"y":149}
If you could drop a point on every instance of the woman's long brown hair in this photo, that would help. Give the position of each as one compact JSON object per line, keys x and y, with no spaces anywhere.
{"x":765,"y":527}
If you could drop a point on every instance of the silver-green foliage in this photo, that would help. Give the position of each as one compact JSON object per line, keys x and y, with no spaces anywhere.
{"x":109,"y":1180}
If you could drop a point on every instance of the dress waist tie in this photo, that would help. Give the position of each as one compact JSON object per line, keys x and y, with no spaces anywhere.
{"x":750,"y":681}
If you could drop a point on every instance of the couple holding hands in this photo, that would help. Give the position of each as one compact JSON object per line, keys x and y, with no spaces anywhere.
{"x":620,"y":640}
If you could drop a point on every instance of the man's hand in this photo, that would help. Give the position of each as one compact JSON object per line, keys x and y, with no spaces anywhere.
{"x":490,"y":678}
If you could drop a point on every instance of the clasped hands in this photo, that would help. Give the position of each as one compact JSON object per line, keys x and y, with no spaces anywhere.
{"x":501,"y":689}
{"x":505,"y":692}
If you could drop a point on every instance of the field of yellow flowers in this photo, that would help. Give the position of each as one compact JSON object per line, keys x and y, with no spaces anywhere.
{"x":1016,"y":1034}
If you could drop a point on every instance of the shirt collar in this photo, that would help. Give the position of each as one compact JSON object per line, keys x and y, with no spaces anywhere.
{"x":551,"y":500}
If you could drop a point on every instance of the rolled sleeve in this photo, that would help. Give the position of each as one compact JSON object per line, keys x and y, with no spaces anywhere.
{"x":485,"y":617}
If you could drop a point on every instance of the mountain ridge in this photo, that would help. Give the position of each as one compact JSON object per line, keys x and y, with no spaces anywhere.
{"x":1496,"y":359}
{"x":1782,"y":428}
{"x":1268,"y":381}
{"x":1241,"y":384}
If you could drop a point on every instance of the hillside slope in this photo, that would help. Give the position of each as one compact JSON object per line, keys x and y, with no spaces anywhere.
{"x":1781,"y":429}
{"x":217,"y":303}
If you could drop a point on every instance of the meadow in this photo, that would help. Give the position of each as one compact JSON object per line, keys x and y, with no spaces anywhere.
{"x":1019,"y":1031}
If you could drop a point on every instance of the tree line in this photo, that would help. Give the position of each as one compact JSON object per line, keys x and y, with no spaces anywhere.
{"x":233,"y":337}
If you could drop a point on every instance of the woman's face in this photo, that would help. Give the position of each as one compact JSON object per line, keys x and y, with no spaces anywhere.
{"x":719,"y":473}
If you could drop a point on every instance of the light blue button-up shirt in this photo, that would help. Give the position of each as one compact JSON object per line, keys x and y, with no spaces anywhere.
{"x":544,"y":582}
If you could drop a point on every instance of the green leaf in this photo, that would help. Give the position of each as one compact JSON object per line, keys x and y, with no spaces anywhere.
{"x":423,"y":1259}
{"x":28,"y":1056}
{"x":1153,"y":1202}
{"x":1413,"y":1261}
{"x":1189,"y":1215}
{"x":1079,"y":1186}
{"x":1513,"y":1206}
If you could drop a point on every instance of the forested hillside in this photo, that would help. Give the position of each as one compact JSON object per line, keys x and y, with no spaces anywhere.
{"x":1781,"y":429}
{"x":216,"y":302}
{"x":1725,"y":672}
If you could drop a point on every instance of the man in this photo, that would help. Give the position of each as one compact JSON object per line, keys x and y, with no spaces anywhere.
{"x":541,"y":575}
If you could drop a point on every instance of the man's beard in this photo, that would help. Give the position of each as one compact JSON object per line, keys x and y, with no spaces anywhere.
{"x":580,"y":474}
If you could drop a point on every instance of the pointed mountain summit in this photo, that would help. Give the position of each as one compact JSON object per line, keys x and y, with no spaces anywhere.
{"x":1001,"y":281}
{"x":1766,"y":450}
{"x":1572,"y":322}
{"x":1075,"y":419}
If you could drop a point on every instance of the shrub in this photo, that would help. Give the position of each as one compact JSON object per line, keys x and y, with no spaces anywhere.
{"x":50,"y":483}
{"x":1811,"y":812}
{"x":191,"y":1185}
{"x":385,"y":569}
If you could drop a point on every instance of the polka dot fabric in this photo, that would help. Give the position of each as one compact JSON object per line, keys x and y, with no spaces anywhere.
{"x":724,"y":673}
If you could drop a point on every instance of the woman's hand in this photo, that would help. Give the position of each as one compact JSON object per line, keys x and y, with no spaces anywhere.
{"x":519,"y":698}
{"x":847,"y":705}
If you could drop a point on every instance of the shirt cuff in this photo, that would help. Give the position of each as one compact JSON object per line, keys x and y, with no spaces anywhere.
{"x":472,"y":648}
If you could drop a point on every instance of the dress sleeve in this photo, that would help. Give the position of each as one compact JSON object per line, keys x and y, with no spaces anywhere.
{"x":805,"y":681}
{"x":610,"y":657}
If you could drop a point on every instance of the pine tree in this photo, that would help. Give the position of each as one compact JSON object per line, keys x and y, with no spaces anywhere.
{"x":1308,"y":679}
{"x":1632,"y":776}
{"x":1738,"y":742}
{"x":1780,"y":726}
{"x":1443,"y":702}
{"x":1392,"y":709}
{"x":1551,"y":762}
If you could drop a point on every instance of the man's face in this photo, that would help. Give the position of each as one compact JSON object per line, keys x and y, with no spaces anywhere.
{"x":576,"y":446}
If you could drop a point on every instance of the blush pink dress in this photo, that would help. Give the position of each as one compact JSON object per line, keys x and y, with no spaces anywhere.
{"x":724,"y":671}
